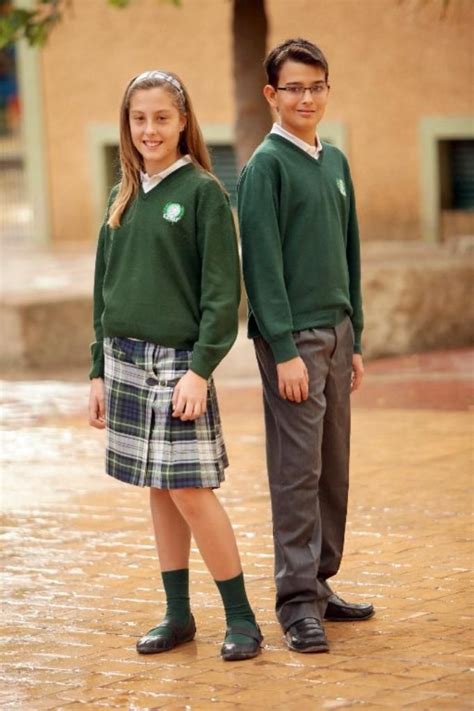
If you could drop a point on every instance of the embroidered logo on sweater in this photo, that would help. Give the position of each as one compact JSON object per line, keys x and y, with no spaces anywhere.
{"x":342,"y":186}
{"x":173,"y":211}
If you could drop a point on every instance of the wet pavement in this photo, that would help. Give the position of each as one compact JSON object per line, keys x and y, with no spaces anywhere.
{"x":81,"y":580}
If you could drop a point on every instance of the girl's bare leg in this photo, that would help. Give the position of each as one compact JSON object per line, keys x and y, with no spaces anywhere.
{"x":173,"y":542}
{"x":172,"y":533}
{"x":175,"y":514}
{"x":212,"y":530}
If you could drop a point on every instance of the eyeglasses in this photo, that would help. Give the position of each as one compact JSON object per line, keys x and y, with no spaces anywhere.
{"x":299,"y":90}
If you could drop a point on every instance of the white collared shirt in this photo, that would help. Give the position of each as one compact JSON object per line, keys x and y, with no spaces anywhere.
{"x":306,"y":147}
{"x":150,"y":181}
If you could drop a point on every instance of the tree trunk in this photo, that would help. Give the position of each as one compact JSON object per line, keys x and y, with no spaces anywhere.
{"x":252,"y":116}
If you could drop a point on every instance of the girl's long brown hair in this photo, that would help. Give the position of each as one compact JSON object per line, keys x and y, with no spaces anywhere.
{"x":131,"y":161}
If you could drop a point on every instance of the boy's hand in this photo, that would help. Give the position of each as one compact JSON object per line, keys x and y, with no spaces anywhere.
{"x":97,"y":404}
{"x":357,"y":371}
{"x":293,"y":380}
{"x":190,"y":397}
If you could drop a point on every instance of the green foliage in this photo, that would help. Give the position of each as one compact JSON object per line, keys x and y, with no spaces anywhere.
{"x":36,"y":24}
{"x":23,"y":23}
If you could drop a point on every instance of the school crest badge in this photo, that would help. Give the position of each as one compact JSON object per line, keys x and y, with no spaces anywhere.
{"x":173,"y":211}
{"x":342,"y":186}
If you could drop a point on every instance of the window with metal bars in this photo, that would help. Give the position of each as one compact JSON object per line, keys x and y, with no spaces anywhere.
{"x":224,"y":165}
{"x":457,"y":174}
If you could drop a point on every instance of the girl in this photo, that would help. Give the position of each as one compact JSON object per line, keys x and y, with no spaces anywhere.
{"x":165,"y":313}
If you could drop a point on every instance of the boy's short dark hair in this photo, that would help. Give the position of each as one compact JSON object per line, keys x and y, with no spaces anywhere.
{"x":298,"y":50}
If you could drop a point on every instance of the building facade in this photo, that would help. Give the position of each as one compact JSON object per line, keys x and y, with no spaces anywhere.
{"x":401,"y":103}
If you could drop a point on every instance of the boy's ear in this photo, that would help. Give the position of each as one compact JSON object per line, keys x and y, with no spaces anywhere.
{"x":270,"y":94}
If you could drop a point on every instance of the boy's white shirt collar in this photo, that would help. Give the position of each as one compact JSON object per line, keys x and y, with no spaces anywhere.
{"x":150,"y":181}
{"x":306,"y":147}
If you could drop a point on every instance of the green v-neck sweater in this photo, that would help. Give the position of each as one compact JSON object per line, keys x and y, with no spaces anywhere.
{"x":300,"y":243}
{"x":170,"y":273}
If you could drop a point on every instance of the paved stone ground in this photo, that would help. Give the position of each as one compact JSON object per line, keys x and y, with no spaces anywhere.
{"x":81,"y":581}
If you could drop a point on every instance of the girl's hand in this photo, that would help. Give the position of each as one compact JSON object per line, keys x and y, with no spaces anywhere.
{"x":293,"y":380}
{"x":357,"y":371}
{"x":190,"y":397}
{"x":97,"y":404}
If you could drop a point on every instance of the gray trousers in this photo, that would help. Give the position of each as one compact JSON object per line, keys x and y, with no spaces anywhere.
{"x":307,"y":447}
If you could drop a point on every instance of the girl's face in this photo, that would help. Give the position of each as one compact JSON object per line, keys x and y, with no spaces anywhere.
{"x":155,"y":126}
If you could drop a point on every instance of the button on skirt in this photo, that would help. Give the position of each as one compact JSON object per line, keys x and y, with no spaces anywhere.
{"x":146,"y":446}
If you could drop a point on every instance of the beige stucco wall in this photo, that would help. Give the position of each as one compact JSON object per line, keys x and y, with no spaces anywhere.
{"x":391,"y":62}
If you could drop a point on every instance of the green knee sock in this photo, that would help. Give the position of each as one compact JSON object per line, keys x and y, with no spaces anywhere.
{"x":176,"y":584}
{"x":236,"y":605}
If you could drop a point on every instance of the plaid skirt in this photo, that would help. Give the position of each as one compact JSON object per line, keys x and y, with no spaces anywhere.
{"x":146,"y":446}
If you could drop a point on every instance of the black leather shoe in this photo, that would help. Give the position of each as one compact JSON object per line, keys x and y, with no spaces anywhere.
{"x":166,"y":636}
{"x":237,"y":651}
{"x":340,"y":611}
{"x":307,"y":635}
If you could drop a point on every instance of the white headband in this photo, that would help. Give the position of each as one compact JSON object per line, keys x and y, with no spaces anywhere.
{"x":157,"y":74}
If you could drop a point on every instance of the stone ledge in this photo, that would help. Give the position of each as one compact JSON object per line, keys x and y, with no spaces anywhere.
{"x":417,"y":297}
{"x":420,"y":306}
{"x":45,"y":332}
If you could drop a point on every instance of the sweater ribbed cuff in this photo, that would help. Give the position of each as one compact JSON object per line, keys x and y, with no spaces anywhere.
{"x":284,"y":348}
{"x":357,"y":341}
{"x":201,"y":366}
{"x":97,"y":353}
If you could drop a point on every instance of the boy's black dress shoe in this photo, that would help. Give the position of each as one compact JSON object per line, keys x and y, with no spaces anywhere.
{"x":340,"y":611}
{"x":307,"y":635}
{"x":166,"y":636}
{"x":237,"y":651}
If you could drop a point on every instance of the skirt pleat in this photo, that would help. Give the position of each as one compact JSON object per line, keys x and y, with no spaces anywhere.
{"x":146,"y":446}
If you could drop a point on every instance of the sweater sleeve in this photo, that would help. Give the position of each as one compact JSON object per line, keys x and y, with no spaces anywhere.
{"x":220,"y":280}
{"x":97,"y":347}
{"x":353,"y":263}
{"x":263,"y":260}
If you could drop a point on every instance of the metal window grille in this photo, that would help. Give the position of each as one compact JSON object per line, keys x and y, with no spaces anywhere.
{"x":224,"y":164}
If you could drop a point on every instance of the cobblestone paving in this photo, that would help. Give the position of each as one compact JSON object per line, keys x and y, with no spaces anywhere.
{"x":81,"y":581}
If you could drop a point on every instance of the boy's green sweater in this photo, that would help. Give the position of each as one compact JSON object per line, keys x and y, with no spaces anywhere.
{"x":170,"y":273}
{"x":300,"y":243}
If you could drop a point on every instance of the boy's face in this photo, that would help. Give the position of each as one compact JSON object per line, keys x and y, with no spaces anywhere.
{"x":300,"y":112}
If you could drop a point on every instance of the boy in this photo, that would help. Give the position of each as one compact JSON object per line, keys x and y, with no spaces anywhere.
{"x":301,"y":261}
